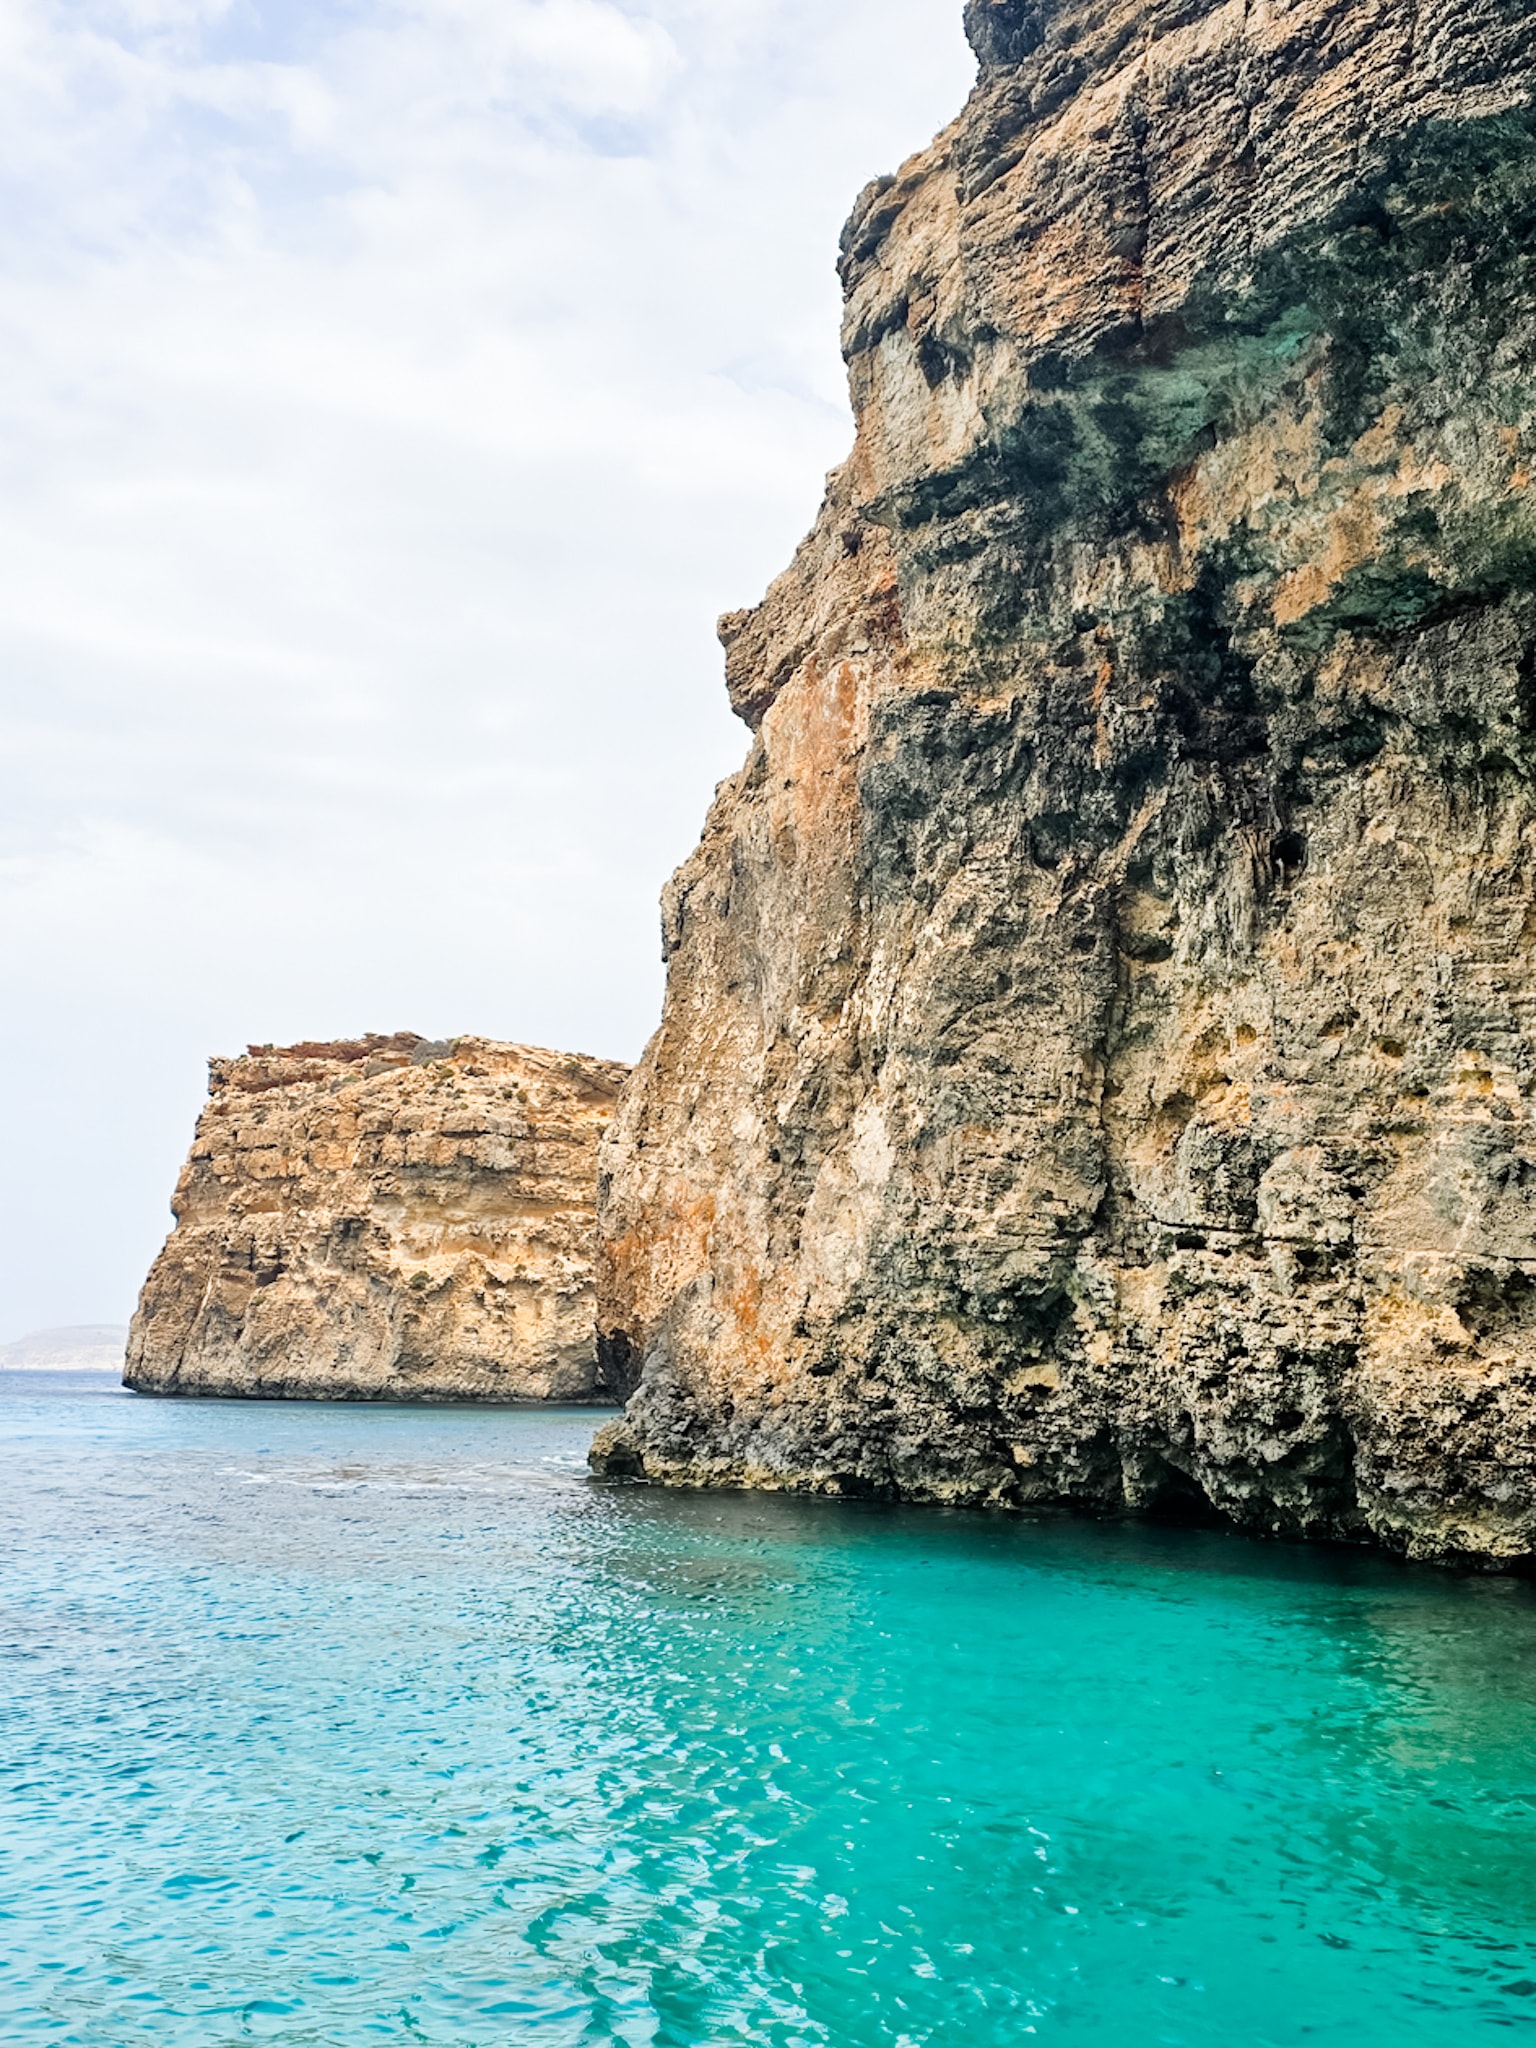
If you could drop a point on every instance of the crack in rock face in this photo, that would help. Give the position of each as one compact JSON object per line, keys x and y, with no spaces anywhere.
{"x":1097,"y":1068}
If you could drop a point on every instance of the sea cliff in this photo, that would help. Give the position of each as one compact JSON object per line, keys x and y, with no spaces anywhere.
{"x":385,"y":1219}
{"x":1097,"y":1067}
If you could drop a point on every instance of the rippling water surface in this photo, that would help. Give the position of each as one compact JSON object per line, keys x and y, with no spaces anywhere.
{"x":344,"y":1725}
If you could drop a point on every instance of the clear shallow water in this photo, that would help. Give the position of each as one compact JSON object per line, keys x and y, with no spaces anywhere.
{"x":352,"y":1725}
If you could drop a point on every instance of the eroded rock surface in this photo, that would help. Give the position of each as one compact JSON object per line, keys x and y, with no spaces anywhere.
{"x":1098,"y":1060}
{"x":385,"y":1219}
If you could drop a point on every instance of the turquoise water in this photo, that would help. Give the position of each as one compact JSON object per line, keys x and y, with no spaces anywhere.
{"x":367,"y":1725}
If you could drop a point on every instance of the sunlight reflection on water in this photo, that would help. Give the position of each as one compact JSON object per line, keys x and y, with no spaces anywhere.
{"x":329,"y":1725}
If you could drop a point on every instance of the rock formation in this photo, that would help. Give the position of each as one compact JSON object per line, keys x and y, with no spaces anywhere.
{"x":386,"y":1219}
{"x":1098,"y":1062}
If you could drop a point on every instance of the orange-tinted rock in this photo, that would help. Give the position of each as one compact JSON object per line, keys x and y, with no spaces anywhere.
{"x":385,"y":1219}
{"x":1098,"y":1061}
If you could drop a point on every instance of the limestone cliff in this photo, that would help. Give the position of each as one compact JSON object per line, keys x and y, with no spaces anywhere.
{"x":1098,"y":1062}
{"x":385,"y":1219}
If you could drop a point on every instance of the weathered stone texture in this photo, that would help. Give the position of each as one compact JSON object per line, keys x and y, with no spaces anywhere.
{"x":385,"y":1219}
{"x":1098,"y":1063}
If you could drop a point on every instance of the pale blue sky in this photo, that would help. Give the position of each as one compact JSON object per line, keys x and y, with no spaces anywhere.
{"x":391,"y":396}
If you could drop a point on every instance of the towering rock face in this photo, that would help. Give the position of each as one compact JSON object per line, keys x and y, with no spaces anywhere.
{"x":1098,"y":1062}
{"x":386,"y":1219}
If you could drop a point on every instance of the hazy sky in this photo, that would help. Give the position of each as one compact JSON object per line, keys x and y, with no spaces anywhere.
{"x":393,"y":393}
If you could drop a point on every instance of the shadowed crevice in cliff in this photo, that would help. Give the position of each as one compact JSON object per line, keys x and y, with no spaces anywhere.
{"x":1176,"y":1496}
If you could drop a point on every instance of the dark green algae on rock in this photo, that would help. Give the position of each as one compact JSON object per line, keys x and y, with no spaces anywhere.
{"x":1097,"y":1067}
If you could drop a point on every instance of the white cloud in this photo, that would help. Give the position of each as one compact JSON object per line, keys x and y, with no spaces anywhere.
{"x":392,"y":392}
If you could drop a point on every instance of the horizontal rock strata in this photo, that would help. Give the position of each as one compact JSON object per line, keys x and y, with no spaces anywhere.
{"x":1098,"y":1063}
{"x":385,"y":1219}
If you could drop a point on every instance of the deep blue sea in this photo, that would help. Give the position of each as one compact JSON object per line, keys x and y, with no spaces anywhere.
{"x":354,"y":1725}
